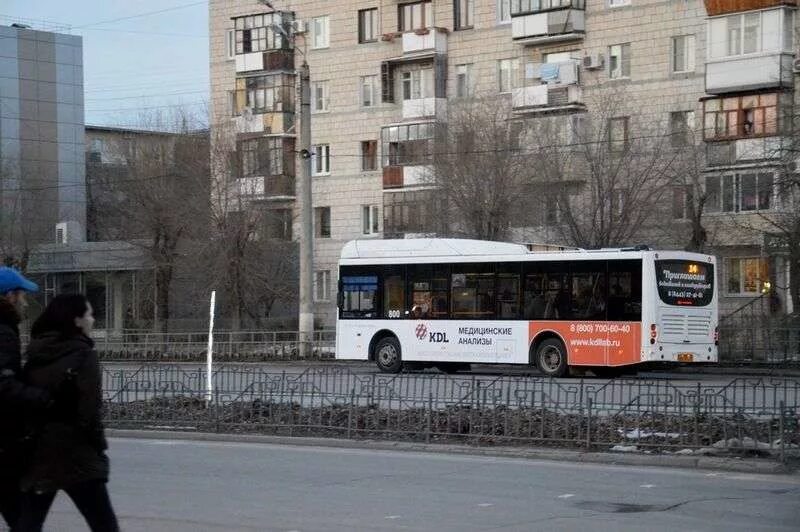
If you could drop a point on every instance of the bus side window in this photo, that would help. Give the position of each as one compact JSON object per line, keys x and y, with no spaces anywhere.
{"x":508,"y":291}
{"x":589,"y":292}
{"x":546,"y":295}
{"x":394,"y":293}
{"x":427,"y":288}
{"x":472,"y":291}
{"x":625,"y":290}
{"x":359,"y":296}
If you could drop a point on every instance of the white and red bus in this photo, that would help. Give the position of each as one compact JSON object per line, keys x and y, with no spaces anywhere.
{"x":450,"y":303}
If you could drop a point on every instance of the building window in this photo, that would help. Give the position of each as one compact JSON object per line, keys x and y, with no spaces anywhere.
{"x":464,"y":80}
{"x":619,"y":61}
{"x":417,"y":84}
{"x":681,"y":202}
{"x":320,"y":94}
{"x":367,"y":89}
{"x":262,"y":156}
{"x":322,"y":285}
{"x":256,"y":33}
{"x":746,"y":275}
{"x":369,"y":219}
{"x":322,"y":222}
{"x":507,"y":73}
{"x":320,"y":28}
{"x":749,"y":33}
{"x":464,"y":13}
{"x":618,"y":134}
{"x":415,"y":16}
{"x":321,"y":159}
{"x":407,"y":144}
{"x":278,"y":224}
{"x":408,"y":212}
{"x":618,"y":3}
{"x":683,"y":54}
{"x":369,"y":155}
{"x":504,"y":11}
{"x":755,"y":115}
{"x":230,"y":44}
{"x":368,"y":25}
{"x":681,"y":126}
{"x":741,"y":192}
{"x":264,"y":94}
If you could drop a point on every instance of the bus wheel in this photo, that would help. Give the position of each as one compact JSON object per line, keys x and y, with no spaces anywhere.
{"x":387,"y":355}
{"x":551,"y":358}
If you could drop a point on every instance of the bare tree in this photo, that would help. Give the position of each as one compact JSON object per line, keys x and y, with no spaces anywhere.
{"x":158,"y":196}
{"x":22,"y":224}
{"x":606,"y":173}
{"x":478,"y":172}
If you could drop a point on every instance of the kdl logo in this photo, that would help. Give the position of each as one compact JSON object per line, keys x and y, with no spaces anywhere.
{"x":438,"y":338}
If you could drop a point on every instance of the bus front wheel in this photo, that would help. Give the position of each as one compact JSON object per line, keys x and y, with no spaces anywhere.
{"x":551,"y":358}
{"x":387,"y":355}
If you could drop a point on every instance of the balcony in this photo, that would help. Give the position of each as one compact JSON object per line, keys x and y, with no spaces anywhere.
{"x":424,"y":108}
{"x":724,"y":7}
{"x":739,"y":151}
{"x":267,"y":123}
{"x":429,"y":40}
{"x":553,"y":21}
{"x":549,"y":86}
{"x":770,"y":70}
{"x":263,"y":188}
{"x":406,"y":176}
{"x":268,"y":61}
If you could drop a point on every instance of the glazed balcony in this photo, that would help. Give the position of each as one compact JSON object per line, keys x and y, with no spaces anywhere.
{"x":547,"y":21}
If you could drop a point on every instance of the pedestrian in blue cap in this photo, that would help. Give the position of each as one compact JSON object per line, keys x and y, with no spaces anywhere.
{"x":17,"y":401}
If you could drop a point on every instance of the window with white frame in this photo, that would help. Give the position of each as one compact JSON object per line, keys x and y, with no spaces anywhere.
{"x":257,"y":33}
{"x":320,"y":32}
{"x":681,"y":202}
{"x":322,"y":222}
{"x":230,"y":44}
{"x":740,"y":192}
{"x":464,"y":80}
{"x":367,"y":87}
{"x":507,"y":74}
{"x":322,"y":285}
{"x":683,"y":53}
{"x":751,"y":32}
{"x":504,"y":11}
{"x":464,"y":13}
{"x":320,"y":96}
{"x":417,"y":84}
{"x":746,"y":275}
{"x":619,"y":61}
{"x":369,"y":155}
{"x":321,"y":159}
{"x":618,"y":134}
{"x":370,"y":216}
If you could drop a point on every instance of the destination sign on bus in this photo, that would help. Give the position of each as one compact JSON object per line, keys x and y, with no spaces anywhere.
{"x":685,"y":283}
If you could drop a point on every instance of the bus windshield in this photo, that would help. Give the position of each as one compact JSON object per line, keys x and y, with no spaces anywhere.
{"x":685,"y":283}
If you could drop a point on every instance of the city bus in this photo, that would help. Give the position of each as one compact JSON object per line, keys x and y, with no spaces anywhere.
{"x":450,"y":303}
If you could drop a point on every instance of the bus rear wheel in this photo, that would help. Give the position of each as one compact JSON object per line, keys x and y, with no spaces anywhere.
{"x":387,"y":355}
{"x":551,"y":358}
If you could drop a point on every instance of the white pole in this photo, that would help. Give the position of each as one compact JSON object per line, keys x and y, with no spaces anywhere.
{"x":209,"y":352}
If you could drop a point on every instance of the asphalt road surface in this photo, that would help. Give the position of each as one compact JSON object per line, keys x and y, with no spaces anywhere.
{"x":213,"y":486}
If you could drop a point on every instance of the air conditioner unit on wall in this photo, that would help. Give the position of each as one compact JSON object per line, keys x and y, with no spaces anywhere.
{"x":299,"y":26}
{"x":593,"y":61}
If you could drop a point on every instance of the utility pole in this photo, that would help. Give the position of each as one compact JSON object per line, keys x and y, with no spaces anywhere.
{"x":304,"y":205}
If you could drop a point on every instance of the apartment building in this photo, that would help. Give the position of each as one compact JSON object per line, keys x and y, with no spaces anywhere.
{"x":384,"y":74}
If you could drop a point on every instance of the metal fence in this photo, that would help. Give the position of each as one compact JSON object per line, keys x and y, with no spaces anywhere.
{"x":758,"y":415}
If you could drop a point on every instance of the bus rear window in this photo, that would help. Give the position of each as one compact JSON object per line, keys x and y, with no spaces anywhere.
{"x":685,"y":283}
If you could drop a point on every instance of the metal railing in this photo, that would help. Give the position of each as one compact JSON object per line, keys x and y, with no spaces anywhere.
{"x":750,"y":415}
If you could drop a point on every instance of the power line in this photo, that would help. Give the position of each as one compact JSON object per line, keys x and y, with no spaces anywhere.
{"x":156,"y":95}
{"x":139,"y":15}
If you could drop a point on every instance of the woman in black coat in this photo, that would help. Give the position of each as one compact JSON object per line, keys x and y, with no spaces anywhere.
{"x":68,"y":454}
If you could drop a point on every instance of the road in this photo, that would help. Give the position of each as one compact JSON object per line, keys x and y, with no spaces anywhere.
{"x":214,"y":486}
{"x":323,"y":384}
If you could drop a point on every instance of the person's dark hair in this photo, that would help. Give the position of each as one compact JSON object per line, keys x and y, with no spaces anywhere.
{"x":60,"y":314}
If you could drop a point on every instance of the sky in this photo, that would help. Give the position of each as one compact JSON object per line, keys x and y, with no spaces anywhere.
{"x":140,"y":57}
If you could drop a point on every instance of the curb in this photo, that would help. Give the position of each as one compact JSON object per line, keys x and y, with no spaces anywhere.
{"x":739,"y":465}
